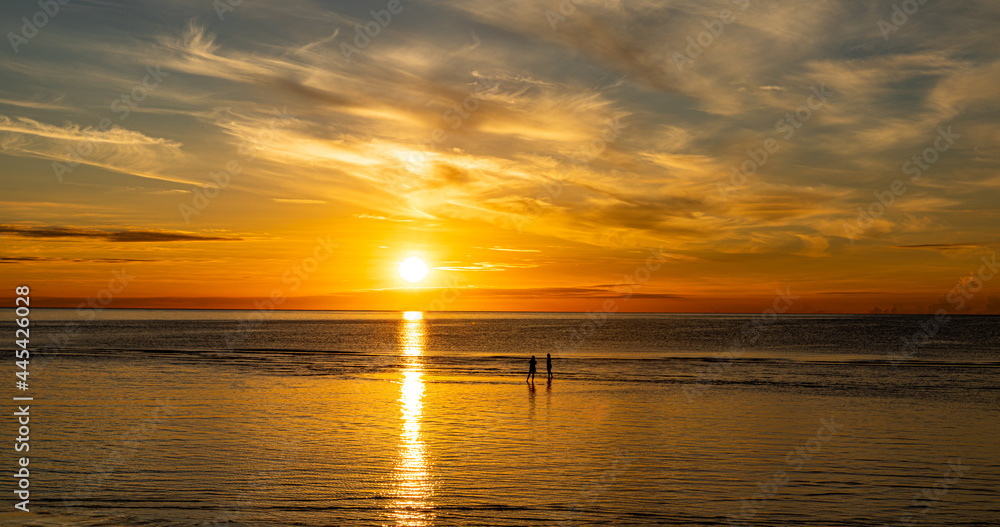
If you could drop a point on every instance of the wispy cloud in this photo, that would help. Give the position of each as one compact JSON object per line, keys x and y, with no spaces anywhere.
{"x":109,"y":235}
{"x":38,"y":104}
{"x":299,"y":201}
{"x":487,"y":266}
{"x":116,"y":149}
{"x":513,"y":250}
{"x":40,"y":259}
{"x":941,"y":246}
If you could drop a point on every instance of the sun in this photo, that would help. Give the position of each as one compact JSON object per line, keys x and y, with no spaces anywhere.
{"x":413,"y":269}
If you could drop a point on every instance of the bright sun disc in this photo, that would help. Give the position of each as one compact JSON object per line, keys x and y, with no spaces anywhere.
{"x":413,"y":269}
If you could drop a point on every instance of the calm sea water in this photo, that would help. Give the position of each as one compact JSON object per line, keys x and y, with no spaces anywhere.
{"x":321,"y":418}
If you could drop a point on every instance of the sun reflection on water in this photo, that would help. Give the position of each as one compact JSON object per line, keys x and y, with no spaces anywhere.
{"x":412,"y":487}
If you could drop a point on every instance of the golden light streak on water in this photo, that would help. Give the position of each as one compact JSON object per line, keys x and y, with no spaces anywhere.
{"x":412,"y":485}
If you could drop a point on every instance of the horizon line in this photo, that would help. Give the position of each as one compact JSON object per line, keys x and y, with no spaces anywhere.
{"x":509,"y":311}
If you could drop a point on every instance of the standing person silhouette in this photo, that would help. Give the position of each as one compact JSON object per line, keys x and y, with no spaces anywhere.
{"x":531,"y":370}
{"x":548,"y":364}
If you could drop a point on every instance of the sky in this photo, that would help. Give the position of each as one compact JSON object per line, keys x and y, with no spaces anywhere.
{"x":678,"y":156}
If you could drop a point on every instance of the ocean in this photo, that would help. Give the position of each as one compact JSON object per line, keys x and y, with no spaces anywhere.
{"x":210,"y":418}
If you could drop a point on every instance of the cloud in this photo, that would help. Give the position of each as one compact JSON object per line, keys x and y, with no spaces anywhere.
{"x":940,"y":246}
{"x":567,"y":292}
{"x":298,"y":201}
{"x":38,"y":104}
{"x":116,"y":149}
{"x":114,"y":236}
{"x":487,"y":266}
{"x":381,"y":218}
{"x":658,"y":179}
{"x":814,"y":246}
{"x":510,"y":249}
{"x":39,"y":259}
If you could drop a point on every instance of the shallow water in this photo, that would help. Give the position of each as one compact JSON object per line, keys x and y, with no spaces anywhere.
{"x":200,"y":418}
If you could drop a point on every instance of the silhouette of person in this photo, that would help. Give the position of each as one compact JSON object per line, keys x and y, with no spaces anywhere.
{"x":548,"y":364}
{"x":531,"y":370}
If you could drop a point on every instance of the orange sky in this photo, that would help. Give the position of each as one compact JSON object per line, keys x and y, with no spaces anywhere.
{"x":532,"y":165}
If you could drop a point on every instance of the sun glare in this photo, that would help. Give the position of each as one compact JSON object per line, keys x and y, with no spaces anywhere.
{"x":413,"y":269}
